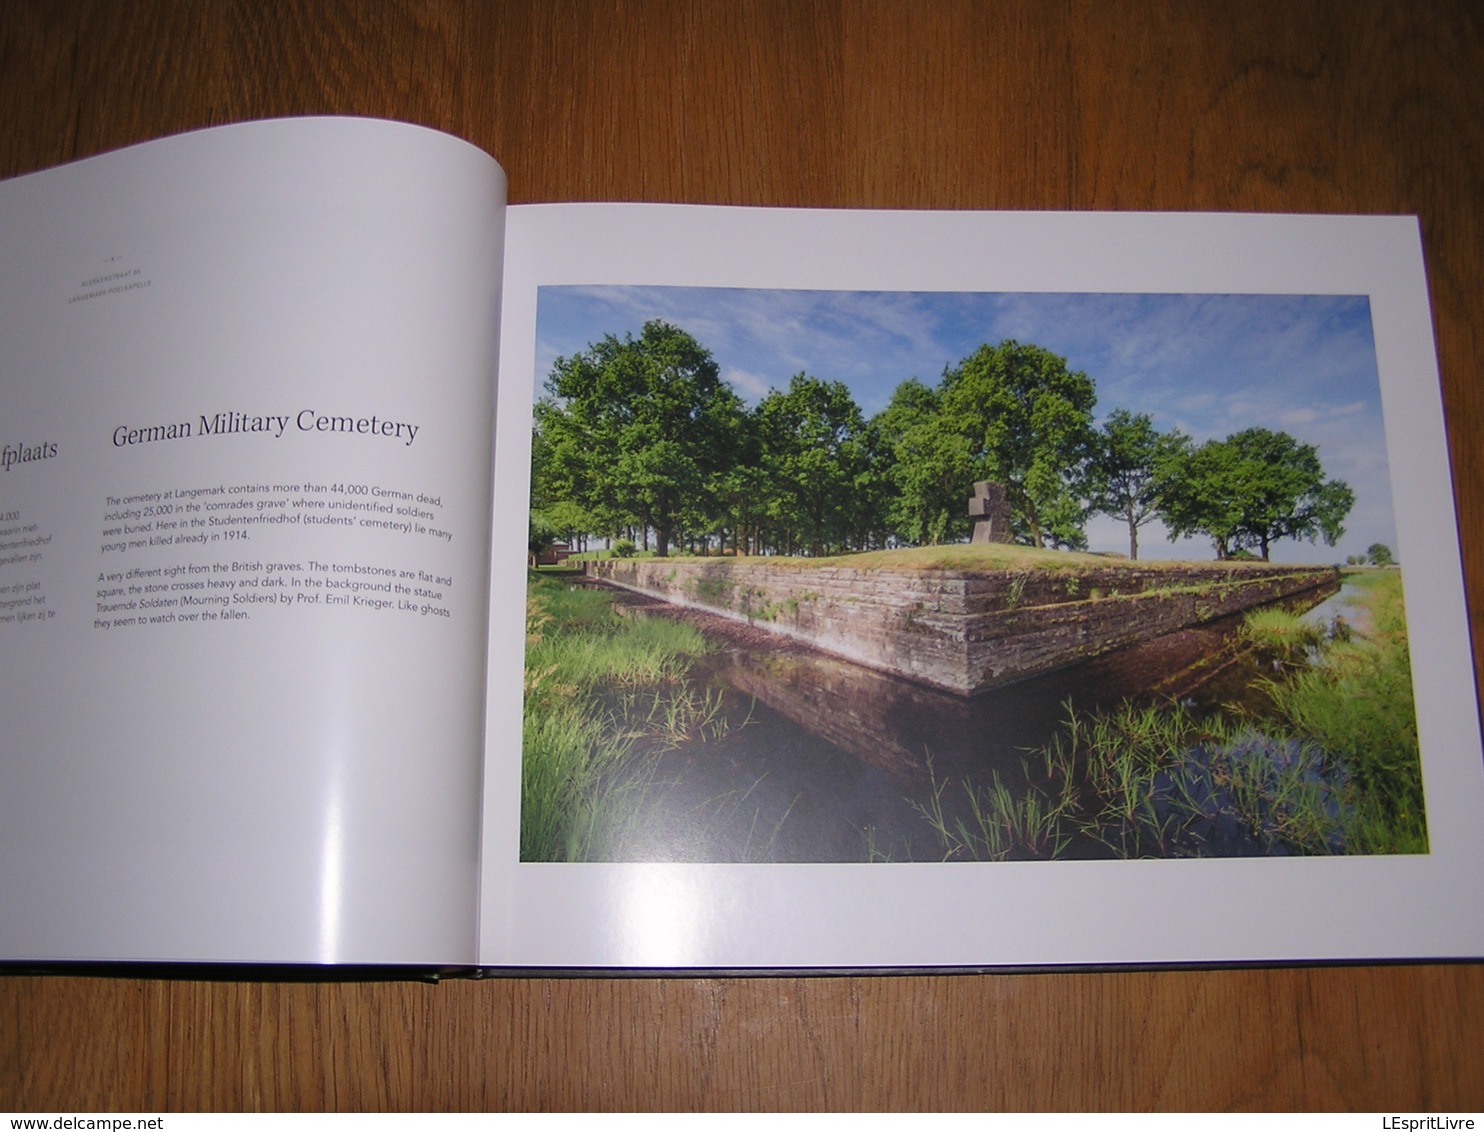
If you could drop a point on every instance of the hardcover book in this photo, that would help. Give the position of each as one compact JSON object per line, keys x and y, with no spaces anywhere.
{"x":392,"y":577}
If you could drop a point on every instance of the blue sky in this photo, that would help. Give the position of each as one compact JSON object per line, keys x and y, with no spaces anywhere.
{"x":1209,"y":365}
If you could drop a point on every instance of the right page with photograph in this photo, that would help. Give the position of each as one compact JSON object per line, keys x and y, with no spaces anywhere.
{"x":973,"y":589}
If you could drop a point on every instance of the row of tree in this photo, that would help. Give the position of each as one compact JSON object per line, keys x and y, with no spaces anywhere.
{"x":641,"y":436}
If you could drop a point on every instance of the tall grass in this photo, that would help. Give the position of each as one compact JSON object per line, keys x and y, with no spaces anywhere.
{"x":1331,"y":767}
{"x":578,"y":793}
{"x":997,"y":823}
{"x":1356,"y":705}
{"x":604,"y":696}
{"x":1151,"y":781}
{"x":1286,"y":638}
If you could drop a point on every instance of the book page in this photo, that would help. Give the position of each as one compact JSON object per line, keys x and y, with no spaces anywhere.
{"x":946,"y":683}
{"x":246,"y":419}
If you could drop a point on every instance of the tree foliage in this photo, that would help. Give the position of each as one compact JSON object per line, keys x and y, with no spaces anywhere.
{"x":1124,"y":474}
{"x":813,"y":448}
{"x":640,"y":436}
{"x":637,"y":431}
{"x":930,"y":470}
{"x":1251,"y":489}
{"x":1027,"y":420}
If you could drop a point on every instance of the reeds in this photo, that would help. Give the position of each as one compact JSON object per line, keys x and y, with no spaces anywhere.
{"x":1332,"y":767}
{"x":998,"y":823}
{"x":604,"y":697}
{"x":1356,"y":704}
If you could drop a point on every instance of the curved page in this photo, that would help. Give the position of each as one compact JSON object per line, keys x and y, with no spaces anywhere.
{"x":246,"y":411}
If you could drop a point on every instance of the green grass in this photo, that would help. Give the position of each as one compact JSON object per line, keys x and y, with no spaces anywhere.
{"x":1331,"y":767}
{"x":1278,"y":630}
{"x":580,"y":556}
{"x":578,"y":789}
{"x":1327,"y":763}
{"x":604,"y":696}
{"x":1000,"y":824}
{"x":1356,"y":705}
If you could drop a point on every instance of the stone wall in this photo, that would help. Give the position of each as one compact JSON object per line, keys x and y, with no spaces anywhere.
{"x":961,"y":630}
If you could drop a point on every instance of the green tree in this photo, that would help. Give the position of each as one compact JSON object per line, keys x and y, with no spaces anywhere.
{"x":928,"y":466}
{"x":1379,"y":554}
{"x":555,"y":510}
{"x":814,"y":457}
{"x":873,"y":492}
{"x":1124,"y":474}
{"x":1251,"y":489}
{"x":639,"y":430}
{"x":567,"y":476}
{"x":1027,"y":421}
{"x":540,"y":536}
{"x":742,"y":502}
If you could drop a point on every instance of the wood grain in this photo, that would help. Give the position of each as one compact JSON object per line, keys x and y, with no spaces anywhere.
{"x":1363,"y":106}
{"x":1380,"y":1039}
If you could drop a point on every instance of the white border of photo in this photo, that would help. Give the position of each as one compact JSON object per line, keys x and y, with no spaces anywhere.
{"x":1012,"y":914}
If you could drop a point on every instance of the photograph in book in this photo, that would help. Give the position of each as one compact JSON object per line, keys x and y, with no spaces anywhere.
{"x":849,"y":576}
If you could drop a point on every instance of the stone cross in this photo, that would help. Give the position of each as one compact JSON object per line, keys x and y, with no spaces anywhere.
{"x":990,"y":512}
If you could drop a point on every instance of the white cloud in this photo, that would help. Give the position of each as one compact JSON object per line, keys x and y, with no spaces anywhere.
{"x":750,"y":386}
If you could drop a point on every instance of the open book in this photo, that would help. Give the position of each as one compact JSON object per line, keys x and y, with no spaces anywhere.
{"x":275,"y":658}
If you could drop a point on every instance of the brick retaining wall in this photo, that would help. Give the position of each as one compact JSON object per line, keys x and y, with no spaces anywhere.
{"x":961,"y":630}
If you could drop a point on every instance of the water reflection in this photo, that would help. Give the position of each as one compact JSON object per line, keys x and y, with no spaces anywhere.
{"x":1342,"y":603}
{"x":826,"y":760}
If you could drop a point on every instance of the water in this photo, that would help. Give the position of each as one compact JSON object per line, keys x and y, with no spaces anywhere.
{"x":824,"y":760}
{"x":1342,"y":604}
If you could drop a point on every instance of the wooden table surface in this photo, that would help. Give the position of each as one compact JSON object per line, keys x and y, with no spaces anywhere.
{"x":1290,"y":106}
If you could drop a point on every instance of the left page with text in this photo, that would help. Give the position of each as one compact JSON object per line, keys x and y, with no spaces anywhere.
{"x":246,"y":403}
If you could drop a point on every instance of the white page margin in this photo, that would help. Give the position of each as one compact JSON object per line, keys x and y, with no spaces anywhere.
{"x":1017,"y":914}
